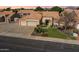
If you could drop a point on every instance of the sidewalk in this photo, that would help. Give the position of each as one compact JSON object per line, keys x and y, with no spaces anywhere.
{"x":40,"y":38}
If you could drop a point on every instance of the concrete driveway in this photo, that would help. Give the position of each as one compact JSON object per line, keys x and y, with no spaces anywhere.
{"x":15,"y":28}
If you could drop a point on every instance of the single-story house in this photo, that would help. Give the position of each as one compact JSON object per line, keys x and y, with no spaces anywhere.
{"x":5,"y":16}
{"x":2,"y":18}
{"x":68,"y":10}
{"x":31,"y":19}
{"x":77,"y":19}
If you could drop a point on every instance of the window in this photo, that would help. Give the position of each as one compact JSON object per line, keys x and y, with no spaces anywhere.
{"x":24,"y":13}
{"x":28,"y":13}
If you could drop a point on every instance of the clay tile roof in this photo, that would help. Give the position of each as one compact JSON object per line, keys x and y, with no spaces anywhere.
{"x":6,"y":13}
{"x":25,"y":11}
{"x":53,"y":14}
{"x":35,"y":16}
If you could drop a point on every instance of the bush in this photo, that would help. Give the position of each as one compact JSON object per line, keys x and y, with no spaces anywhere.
{"x":37,"y":30}
{"x":45,"y":35}
{"x":40,"y":30}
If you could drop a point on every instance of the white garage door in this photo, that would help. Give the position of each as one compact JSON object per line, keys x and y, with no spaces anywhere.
{"x":32,"y":23}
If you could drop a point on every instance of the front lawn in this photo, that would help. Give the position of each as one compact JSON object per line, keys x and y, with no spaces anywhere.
{"x":52,"y":32}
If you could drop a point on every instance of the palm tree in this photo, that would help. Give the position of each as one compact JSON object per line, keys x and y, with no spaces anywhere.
{"x":41,"y":18}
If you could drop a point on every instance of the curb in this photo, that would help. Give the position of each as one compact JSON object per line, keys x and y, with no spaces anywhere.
{"x":40,"y":38}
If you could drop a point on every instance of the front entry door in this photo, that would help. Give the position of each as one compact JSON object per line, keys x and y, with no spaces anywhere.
{"x":46,"y":22}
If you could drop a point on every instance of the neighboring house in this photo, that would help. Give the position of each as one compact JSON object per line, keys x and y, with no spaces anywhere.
{"x":68,"y":10}
{"x":77,"y":19}
{"x":4,"y":16}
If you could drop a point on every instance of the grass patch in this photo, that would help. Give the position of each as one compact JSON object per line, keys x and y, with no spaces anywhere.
{"x":53,"y":32}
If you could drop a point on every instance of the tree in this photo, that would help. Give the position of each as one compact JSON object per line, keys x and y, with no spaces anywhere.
{"x":15,"y":10}
{"x":56,"y":8}
{"x":39,"y":9}
{"x":22,"y":8}
{"x":41,"y":19}
{"x":46,"y":9}
{"x":8,"y":9}
{"x":68,"y":18}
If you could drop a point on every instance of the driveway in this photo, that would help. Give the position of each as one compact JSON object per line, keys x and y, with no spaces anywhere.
{"x":15,"y":28}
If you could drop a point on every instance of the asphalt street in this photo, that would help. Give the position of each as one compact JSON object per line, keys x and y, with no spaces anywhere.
{"x":11,"y":44}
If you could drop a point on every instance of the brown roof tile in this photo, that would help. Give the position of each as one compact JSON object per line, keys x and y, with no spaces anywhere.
{"x":25,"y":11}
{"x":37,"y":14}
{"x":52,"y":14}
{"x":6,"y":13}
{"x":32,"y":16}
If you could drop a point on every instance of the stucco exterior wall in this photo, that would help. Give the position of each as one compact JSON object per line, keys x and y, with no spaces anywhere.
{"x":30,"y":22}
{"x":22,"y":23}
{"x":77,"y":26}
